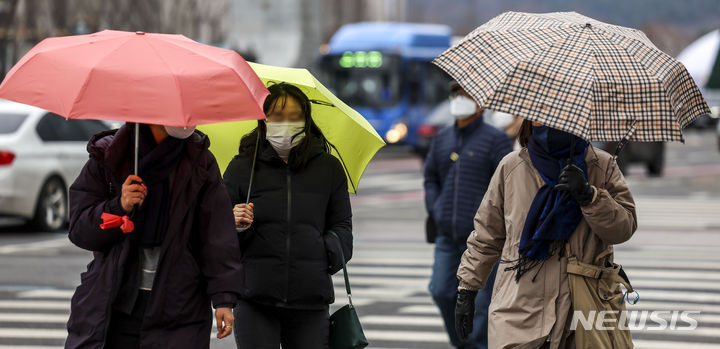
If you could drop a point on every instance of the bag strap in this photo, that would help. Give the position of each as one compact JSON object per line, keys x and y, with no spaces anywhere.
{"x":596,"y":272}
{"x":345,"y":273}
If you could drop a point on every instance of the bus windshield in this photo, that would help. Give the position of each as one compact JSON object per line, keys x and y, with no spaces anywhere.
{"x":363,"y":82}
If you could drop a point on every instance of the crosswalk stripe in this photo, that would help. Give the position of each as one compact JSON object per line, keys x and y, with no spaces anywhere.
{"x":35,"y":318}
{"x":406,"y":336}
{"x":644,"y":304}
{"x":32,"y":333}
{"x":654,"y":344}
{"x":640,"y":283}
{"x":22,"y":304}
{"x":401,"y":320}
{"x":34,"y":246}
{"x":397,"y":271}
{"x":681,"y":296}
{"x":419,"y":309}
{"x":424,"y":262}
{"x":672,"y":276}
{"x":663,"y":263}
{"x":47,"y":293}
{"x":698,"y":332}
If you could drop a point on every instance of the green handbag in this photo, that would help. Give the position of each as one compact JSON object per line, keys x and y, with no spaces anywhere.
{"x":345,"y":329}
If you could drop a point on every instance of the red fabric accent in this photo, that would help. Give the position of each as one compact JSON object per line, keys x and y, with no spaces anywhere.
{"x":113,"y":221}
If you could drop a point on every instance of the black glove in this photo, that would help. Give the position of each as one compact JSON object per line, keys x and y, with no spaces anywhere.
{"x":464,"y":313}
{"x":573,"y":180}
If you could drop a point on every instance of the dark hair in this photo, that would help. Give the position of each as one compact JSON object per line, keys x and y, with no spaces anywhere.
{"x":279,"y":93}
{"x":454,"y":87}
{"x":525,"y":133}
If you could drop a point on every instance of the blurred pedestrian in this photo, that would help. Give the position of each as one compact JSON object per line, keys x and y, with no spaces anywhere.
{"x":152,"y":280}
{"x":458,"y":168}
{"x":539,"y":209}
{"x":298,"y":195}
{"x":508,"y":123}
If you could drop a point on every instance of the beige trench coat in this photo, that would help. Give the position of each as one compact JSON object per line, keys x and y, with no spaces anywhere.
{"x":528,"y":314}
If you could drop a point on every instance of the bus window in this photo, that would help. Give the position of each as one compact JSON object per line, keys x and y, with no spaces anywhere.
{"x":414,"y":76}
{"x":370,"y":85}
{"x":436,"y":85}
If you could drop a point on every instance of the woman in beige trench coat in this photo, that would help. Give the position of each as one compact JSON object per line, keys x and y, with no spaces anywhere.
{"x":534,"y":310}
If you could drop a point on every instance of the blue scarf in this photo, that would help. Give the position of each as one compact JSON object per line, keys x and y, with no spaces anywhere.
{"x":553,"y":214}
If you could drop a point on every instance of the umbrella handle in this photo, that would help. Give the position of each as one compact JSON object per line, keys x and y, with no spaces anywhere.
{"x":134,"y":212}
{"x":624,"y":141}
{"x":137,"y":145}
{"x":252,"y":168}
{"x":572,"y":150}
{"x":244,"y":225}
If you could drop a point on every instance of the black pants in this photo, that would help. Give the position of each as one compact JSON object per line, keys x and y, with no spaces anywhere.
{"x":266,"y":327}
{"x":124,"y":330}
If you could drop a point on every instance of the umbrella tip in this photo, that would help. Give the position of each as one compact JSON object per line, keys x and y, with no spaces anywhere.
{"x":140,"y":33}
{"x":587,"y":25}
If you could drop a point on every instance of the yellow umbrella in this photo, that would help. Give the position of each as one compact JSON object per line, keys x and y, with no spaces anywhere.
{"x":352,"y":138}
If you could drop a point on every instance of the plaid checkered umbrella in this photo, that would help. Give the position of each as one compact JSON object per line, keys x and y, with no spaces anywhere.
{"x":573,"y":73}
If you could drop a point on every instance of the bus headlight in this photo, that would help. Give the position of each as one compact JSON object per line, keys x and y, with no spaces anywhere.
{"x":397,"y":133}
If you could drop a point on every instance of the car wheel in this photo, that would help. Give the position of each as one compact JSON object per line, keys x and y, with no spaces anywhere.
{"x":51,"y":213}
{"x":421,"y":152}
{"x":654,"y":169}
{"x":655,"y":166}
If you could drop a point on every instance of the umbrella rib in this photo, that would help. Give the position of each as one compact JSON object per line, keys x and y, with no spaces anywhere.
{"x":214,"y":60}
{"x":344,"y":166}
{"x":529,"y":58}
{"x":175,"y":81}
{"x":87,"y":77}
{"x":641,"y":64}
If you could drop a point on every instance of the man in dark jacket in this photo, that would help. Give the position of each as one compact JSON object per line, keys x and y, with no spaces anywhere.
{"x":458,"y":168}
{"x":151,"y":285}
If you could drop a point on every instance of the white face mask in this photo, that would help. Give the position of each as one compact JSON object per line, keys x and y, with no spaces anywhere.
{"x":179,"y":132}
{"x":461,"y":107}
{"x":280,"y":134}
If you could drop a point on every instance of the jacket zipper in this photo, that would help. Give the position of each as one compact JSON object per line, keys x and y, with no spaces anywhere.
{"x":287,"y":239}
{"x":455,"y":194}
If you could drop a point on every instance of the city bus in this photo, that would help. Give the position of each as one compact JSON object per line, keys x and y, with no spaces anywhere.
{"x":383,"y":71}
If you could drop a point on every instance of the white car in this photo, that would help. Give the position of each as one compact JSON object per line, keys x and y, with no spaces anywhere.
{"x":41,"y":154}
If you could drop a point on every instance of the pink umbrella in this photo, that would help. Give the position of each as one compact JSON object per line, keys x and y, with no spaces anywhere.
{"x":137,"y":77}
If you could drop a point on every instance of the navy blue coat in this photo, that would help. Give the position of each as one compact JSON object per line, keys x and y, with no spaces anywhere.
{"x":455,"y":186}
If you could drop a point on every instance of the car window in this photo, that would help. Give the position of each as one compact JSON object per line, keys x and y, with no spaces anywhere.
{"x":55,"y":128}
{"x":11,"y":122}
{"x":91,"y":127}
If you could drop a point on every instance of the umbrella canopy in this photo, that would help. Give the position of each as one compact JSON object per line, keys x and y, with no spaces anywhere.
{"x":573,"y":73}
{"x":354,"y":139}
{"x":136,"y":77}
